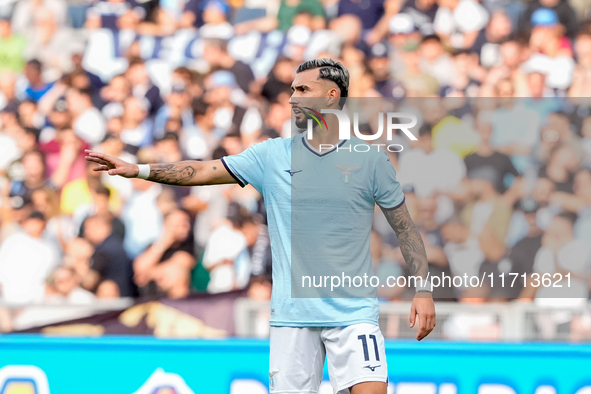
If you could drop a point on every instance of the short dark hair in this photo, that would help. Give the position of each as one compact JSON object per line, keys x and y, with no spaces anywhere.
{"x":569,"y":217}
{"x":331,"y":70}
{"x":425,"y":130}
{"x":431,"y":37}
{"x":135,"y":62}
{"x":87,"y":92}
{"x":199,"y":106}
{"x":102,"y":190}
{"x":217,"y":43}
{"x":36,"y":64}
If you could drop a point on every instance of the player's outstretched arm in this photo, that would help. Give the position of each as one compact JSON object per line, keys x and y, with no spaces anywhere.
{"x":415,"y":256}
{"x":182,"y":173}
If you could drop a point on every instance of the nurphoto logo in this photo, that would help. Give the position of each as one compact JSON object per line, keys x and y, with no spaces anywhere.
{"x":392,"y":123}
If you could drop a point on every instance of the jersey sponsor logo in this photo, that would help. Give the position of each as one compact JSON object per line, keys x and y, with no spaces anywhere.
{"x":292,"y":173}
{"x":346,"y":174}
{"x":373,"y":369}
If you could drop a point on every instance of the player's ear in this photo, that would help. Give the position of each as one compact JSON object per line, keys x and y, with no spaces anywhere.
{"x":332,"y":98}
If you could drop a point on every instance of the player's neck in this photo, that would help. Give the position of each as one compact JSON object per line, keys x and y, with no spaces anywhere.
{"x":326,"y":136}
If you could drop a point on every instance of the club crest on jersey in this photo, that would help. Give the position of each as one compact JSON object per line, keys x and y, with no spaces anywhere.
{"x":346,"y":174}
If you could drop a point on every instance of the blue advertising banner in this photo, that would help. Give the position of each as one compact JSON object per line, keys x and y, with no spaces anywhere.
{"x":35,"y":364}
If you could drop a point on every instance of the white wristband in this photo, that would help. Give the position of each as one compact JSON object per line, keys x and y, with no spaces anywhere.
{"x":144,"y":171}
{"x":424,"y":285}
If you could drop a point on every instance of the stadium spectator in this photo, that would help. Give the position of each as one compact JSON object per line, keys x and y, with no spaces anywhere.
{"x":57,"y":229}
{"x":435,"y":61}
{"x":65,"y":284}
{"x":577,"y":202}
{"x":64,"y":157}
{"x":137,"y":128}
{"x":78,"y":254}
{"x":109,"y":259}
{"x":459,"y":22}
{"x":564,"y":12}
{"x":232,"y":118}
{"x":142,"y":86}
{"x":416,"y":82}
{"x":215,"y":52}
{"x":486,"y":157}
{"x":34,"y":178}
{"x":87,"y":121}
{"x":487,"y":215}
{"x":165,"y":266}
{"x":561,"y":168}
{"x":523,"y":252}
{"x":116,"y":91}
{"x":50,"y":43}
{"x":107,"y":14}
{"x":100,"y":206}
{"x":12,"y":46}
{"x":26,"y":259}
{"x":24,"y":13}
{"x":77,"y":193}
{"x":488,"y":42}
{"x":36,"y":86}
{"x":192,"y":15}
{"x":176,"y":106}
{"x":215,"y":20}
{"x":433,"y":170}
{"x":141,"y":216}
{"x":28,"y":116}
{"x":7,"y":88}
{"x":422,"y":13}
{"x":465,"y":82}
{"x":199,"y":140}
{"x":561,"y":253}
{"x":402,"y":34}
{"x":431,"y":232}
{"x":226,"y":256}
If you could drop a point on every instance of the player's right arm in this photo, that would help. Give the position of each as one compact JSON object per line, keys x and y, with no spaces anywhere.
{"x":182,"y":173}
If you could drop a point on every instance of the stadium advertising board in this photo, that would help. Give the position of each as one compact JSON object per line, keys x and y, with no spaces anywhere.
{"x":34,"y":364}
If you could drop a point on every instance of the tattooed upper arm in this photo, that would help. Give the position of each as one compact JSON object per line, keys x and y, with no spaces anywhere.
{"x":409,"y":238}
{"x":190,"y":173}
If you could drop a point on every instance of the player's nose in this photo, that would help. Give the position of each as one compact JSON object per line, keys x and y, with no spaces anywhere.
{"x":293,"y":99}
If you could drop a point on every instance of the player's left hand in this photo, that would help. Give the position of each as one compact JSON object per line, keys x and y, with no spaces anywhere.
{"x":423,"y":308}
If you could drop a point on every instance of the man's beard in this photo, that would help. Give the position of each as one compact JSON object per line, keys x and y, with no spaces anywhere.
{"x":301,"y":122}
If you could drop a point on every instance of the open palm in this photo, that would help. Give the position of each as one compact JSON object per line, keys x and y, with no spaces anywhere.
{"x":112,"y":165}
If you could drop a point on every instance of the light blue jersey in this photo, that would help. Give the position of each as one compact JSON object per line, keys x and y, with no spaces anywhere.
{"x":320,"y":210}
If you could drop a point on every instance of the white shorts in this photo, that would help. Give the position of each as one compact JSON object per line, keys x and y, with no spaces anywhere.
{"x":355,"y":354}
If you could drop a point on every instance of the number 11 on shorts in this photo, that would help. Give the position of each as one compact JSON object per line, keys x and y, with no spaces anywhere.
{"x":363,"y":339}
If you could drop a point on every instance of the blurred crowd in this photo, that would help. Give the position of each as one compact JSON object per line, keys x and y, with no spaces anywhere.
{"x":499,"y":179}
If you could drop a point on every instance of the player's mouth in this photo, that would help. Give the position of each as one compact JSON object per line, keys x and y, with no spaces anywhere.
{"x":297,"y":111}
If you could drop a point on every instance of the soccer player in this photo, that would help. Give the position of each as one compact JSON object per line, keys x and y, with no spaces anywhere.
{"x":306,"y":330}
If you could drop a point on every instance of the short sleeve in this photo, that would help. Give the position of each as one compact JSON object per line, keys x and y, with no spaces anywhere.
{"x":248,"y":167}
{"x":387,"y":191}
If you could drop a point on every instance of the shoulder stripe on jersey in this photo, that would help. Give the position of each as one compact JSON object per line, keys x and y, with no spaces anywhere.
{"x":393,"y":208}
{"x":232,"y":173}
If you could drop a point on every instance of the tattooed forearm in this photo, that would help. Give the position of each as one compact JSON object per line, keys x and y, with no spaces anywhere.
{"x":173,"y":173}
{"x":411,"y":242}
